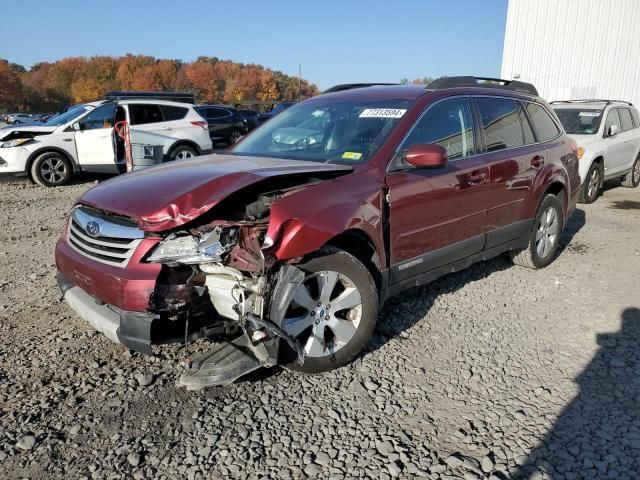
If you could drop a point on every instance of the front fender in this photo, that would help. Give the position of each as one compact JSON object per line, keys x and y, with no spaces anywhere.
{"x":305,"y":221}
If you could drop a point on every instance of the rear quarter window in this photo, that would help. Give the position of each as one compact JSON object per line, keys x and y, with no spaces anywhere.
{"x":544,"y":126}
{"x":636,"y":118}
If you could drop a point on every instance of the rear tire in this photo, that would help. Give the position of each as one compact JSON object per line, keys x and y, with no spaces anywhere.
{"x":545,"y":236}
{"x":632,"y":179}
{"x":51,"y":169}
{"x":183,"y":152}
{"x":334,"y":310}
{"x":234,"y":137}
{"x":590,"y":189}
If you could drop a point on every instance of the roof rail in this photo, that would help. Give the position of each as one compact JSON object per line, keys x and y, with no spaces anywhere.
{"x":171,"y":96}
{"x":350,"y":86}
{"x":486,"y":82}
{"x":594,"y":100}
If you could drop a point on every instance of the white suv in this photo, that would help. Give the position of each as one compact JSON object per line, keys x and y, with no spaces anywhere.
{"x":84,"y":139}
{"x":606,"y":149}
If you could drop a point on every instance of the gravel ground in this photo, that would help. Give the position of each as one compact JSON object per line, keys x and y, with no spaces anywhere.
{"x":494,"y":372}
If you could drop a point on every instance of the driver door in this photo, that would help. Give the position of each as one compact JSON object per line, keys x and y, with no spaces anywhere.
{"x":94,"y":138}
{"x":438,"y":215}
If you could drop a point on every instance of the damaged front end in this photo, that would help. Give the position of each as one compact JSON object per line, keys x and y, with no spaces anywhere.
{"x":222,"y":281}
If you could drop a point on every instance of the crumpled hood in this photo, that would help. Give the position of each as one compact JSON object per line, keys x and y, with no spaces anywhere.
{"x":172,"y":194}
{"x":6,"y":131}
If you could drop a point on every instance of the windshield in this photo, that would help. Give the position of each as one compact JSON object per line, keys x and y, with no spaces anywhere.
{"x":67,"y":116}
{"x":579,"y":121}
{"x":339,"y":131}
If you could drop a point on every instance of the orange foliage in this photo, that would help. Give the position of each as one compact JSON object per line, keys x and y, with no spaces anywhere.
{"x":49,"y":86}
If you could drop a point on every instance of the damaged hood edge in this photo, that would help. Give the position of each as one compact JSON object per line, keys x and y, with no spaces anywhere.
{"x":170,"y":195}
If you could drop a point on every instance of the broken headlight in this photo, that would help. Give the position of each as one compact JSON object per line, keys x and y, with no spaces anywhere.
{"x":188,"y":249}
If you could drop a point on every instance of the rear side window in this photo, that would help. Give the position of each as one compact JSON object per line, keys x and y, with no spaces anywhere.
{"x":213,"y":112}
{"x":144,"y":113}
{"x":449,"y":124}
{"x":543,"y":124}
{"x":174,"y":113}
{"x":625,"y":119}
{"x":636,"y":118}
{"x":502,"y":123}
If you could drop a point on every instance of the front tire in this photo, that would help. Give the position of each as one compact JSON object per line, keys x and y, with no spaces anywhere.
{"x":51,"y":169}
{"x":590,"y":189}
{"x":545,"y":236}
{"x":333,"y":312}
{"x":183,"y":152}
{"x":632,"y":179}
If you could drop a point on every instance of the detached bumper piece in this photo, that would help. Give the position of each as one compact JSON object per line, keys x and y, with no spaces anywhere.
{"x":226,"y":362}
{"x":222,"y":365}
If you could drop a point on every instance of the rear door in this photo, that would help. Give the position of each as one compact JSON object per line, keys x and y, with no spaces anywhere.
{"x":95,"y":141}
{"x":437,"y":215}
{"x":514,"y":157}
{"x":616,"y":149}
{"x":148,"y":126}
{"x":629,"y":137}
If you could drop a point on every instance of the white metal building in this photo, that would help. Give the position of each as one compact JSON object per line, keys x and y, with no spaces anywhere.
{"x":572,"y":49}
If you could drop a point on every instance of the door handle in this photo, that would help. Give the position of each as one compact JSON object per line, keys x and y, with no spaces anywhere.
{"x":537,"y":161}
{"x":476,"y":178}
{"x":167,"y":128}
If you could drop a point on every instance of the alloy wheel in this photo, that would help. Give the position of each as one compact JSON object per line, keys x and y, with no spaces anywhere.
{"x":547,"y":232}
{"x":594,"y":183}
{"x":53,"y":170}
{"x":325,"y":313}
{"x":184,"y":155}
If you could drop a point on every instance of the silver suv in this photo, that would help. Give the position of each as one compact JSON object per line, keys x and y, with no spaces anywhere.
{"x":608,"y":136}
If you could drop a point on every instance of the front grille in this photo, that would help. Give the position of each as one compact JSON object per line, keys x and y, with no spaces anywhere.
{"x":102,"y":239}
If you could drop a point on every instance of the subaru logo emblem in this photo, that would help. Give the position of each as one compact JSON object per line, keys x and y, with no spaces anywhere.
{"x":93,"y":228}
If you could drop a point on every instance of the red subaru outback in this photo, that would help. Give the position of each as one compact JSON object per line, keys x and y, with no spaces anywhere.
{"x":282,"y":249}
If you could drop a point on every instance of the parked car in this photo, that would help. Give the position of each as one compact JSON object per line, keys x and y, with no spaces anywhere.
{"x":288,"y":249}
{"x":16,"y":118}
{"x":83,"y":138}
{"x":252,"y":117}
{"x":606,"y":149}
{"x":225,"y":123}
{"x":277,"y":108}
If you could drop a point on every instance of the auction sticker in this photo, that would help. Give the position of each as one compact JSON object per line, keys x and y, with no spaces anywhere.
{"x":352,"y":155}
{"x":383,"y":113}
{"x":589,"y":114}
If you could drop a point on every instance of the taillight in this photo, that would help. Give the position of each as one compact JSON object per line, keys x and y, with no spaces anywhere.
{"x":201,"y":123}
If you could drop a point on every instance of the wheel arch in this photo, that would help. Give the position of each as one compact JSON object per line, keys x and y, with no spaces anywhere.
{"x":180,"y":143}
{"x":358,"y":243}
{"x":74,"y":164}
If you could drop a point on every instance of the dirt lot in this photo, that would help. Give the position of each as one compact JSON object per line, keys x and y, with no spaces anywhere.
{"x":494,"y":372}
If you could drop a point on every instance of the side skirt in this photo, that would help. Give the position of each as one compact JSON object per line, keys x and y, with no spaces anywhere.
{"x":435,"y":273}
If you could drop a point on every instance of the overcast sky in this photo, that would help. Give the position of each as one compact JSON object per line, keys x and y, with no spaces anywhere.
{"x":334,"y":41}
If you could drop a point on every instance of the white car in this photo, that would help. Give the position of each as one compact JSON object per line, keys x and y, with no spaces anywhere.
{"x":608,"y":136}
{"x":84,"y":139}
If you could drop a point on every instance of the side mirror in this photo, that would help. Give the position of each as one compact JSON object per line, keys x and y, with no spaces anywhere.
{"x":427,"y":155}
{"x":77,"y":126}
{"x":613,"y":130}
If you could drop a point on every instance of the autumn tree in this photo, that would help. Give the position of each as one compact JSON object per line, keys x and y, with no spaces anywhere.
{"x":51,"y":86}
{"x":11,"y":92}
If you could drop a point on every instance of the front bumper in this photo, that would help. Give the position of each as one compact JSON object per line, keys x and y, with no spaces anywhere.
{"x":13,"y":161}
{"x":131,"y":329}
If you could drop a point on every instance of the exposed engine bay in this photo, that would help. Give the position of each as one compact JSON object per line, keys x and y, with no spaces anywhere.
{"x":225,"y":271}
